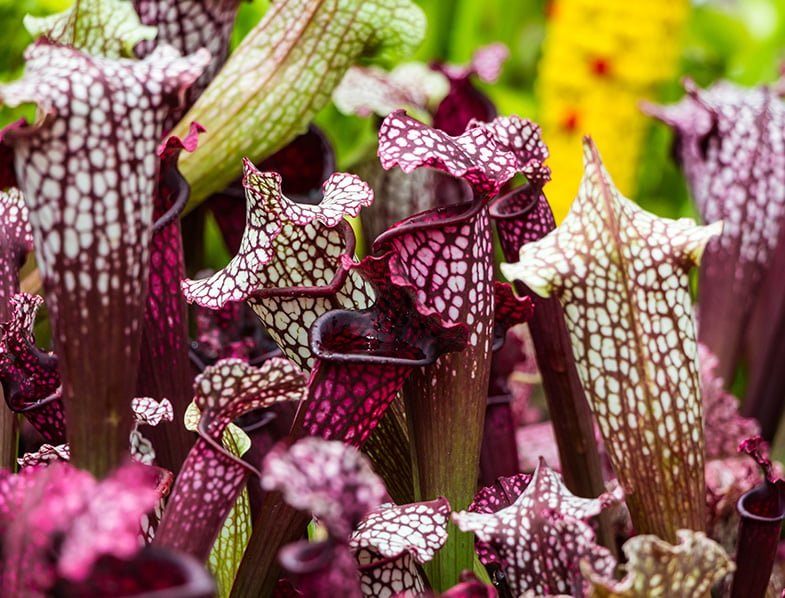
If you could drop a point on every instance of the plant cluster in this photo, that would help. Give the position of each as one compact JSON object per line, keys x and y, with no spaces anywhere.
{"x":323,"y":424}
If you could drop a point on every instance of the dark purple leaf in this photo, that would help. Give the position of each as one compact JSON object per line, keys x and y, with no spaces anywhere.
{"x":363,"y":357}
{"x":92,"y":229}
{"x":164,"y":367}
{"x":304,"y":164}
{"x":285,"y":589}
{"x":211,"y":477}
{"x":327,"y":478}
{"x":7,"y":172}
{"x":30,"y":376}
{"x":728,"y":141}
{"x":471,"y":587}
{"x":762,"y":510}
{"x":16,"y":241}
{"x":322,"y":569}
{"x":153,"y":572}
{"x":464,"y":102}
{"x":542,"y":537}
{"x":524,"y":216}
{"x":499,"y":456}
{"x":508,"y":310}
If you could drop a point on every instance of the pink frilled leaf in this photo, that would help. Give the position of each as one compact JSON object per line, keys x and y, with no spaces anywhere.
{"x":327,"y":478}
{"x":388,"y":541}
{"x":541,"y":538}
{"x":501,"y":494}
{"x":656,"y":568}
{"x":728,"y":141}
{"x":88,"y":171}
{"x":30,"y":376}
{"x":58,"y":522}
{"x":16,"y":241}
{"x":211,"y":477}
{"x":289,"y":263}
{"x":110,"y":523}
{"x":363,"y":357}
{"x":621,"y":275}
{"x":486,"y":64}
{"x":523,"y":138}
{"x":474,"y":156}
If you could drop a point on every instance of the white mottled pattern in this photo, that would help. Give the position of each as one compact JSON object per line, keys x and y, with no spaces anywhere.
{"x":621,"y":275}
{"x":212,"y":477}
{"x":88,"y":169}
{"x":656,"y":568}
{"x":541,"y":538}
{"x":288,"y":266}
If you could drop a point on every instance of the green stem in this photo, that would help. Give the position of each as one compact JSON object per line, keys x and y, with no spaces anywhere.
{"x":445,"y":426}
{"x":277,"y":524}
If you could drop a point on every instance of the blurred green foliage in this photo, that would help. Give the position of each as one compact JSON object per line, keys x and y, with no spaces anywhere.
{"x":739,"y":40}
